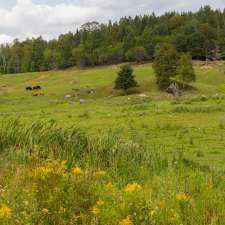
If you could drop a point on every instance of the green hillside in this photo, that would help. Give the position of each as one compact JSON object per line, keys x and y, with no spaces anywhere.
{"x":85,"y":154}
{"x":196,"y":117}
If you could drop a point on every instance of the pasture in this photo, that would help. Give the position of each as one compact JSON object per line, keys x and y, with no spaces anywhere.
{"x":170,"y":151}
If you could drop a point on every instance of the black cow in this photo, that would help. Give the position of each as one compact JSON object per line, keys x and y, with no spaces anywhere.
{"x":29,"y":89}
{"x":37,"y":88}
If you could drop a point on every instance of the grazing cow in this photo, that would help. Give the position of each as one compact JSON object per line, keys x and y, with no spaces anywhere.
{"x":37,"y":87}
{"x":29,"y":89}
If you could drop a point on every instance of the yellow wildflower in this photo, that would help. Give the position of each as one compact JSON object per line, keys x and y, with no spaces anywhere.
{"x":45,"y":211}
{"x":100,"y":202}
{"x":182,"y":197}
{"x":54,"y":168}
{"x":77,"y":170}
{"x":95,"y":210}
{"x":126,"y":221}
{"x":132,"y":188}
{"x":5,"y":212}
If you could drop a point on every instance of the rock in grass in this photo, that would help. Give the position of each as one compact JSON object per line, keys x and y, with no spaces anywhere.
{"x":82,"y":101}
{"x":68,"y":96}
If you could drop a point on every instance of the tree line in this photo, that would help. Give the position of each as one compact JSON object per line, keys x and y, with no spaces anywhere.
{"x":201,"y":34}
{"x":169,"y":66}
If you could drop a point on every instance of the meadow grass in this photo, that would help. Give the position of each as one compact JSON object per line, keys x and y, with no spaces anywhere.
{"x":61,"y":176}
{"x":146,"y":158}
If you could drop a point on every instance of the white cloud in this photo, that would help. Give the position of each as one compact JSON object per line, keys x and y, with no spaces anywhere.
{"x":5,"y":38}
{"x":27,"y":19}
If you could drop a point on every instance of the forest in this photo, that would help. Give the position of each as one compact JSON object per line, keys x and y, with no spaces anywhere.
{"x":201,"y":33}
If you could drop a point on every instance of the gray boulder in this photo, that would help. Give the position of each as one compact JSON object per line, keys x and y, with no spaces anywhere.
{"x":174,"y":89}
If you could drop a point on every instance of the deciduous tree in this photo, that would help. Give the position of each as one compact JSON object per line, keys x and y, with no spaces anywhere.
{"x":165,"y":64}
{"x":185,"y":70}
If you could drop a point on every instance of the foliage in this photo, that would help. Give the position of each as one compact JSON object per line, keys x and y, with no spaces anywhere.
{"x":125,"y":79}
{"x":82,"y":58}
{"x":185,"y":71}
{"x":165,"y":64}
{"x":138,"y":54}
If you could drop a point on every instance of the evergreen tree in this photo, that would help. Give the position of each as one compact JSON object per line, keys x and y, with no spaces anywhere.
{"x":185,"y":70}
{"x":165,"y":64}
{"x":125,"y":79}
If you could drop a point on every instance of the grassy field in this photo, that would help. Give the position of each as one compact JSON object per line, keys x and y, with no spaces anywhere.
{"x":161,"y":157}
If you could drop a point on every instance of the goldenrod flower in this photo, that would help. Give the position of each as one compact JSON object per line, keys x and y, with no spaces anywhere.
{"x":95,"y":210}
{"x":126,"y":221}
{"x":77,"y":170}
{"x":45,"y":211}
{"x":182,"y":197}
{"x":100,"y":202}
{"x":132,"y":188}
{"x":54,"y":168}
{"x":5,"y":212}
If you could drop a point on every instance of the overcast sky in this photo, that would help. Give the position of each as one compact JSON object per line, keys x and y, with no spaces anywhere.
{"x":49,"y":18}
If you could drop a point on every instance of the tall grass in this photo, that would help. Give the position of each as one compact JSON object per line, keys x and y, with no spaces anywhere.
{"x":106,"y":151}
{"x":137,"y":184}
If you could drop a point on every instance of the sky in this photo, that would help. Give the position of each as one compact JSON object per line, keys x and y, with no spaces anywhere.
{"x":49,"y":18}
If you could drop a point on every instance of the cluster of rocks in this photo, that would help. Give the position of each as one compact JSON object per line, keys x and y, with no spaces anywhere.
{"x":77,"y":93}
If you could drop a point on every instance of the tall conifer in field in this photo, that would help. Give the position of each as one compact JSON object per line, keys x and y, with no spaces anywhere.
{"x":125,"y":79}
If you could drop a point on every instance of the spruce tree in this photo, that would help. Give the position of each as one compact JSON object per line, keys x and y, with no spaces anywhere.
{"x":125,"y":79}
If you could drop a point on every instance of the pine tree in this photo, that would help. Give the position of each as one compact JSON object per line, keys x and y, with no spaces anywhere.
{"x":125,"y":79}
{"x":185,"y":70}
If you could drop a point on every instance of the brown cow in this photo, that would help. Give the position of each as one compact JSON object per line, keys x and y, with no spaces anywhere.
{"x":38,"y":94}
